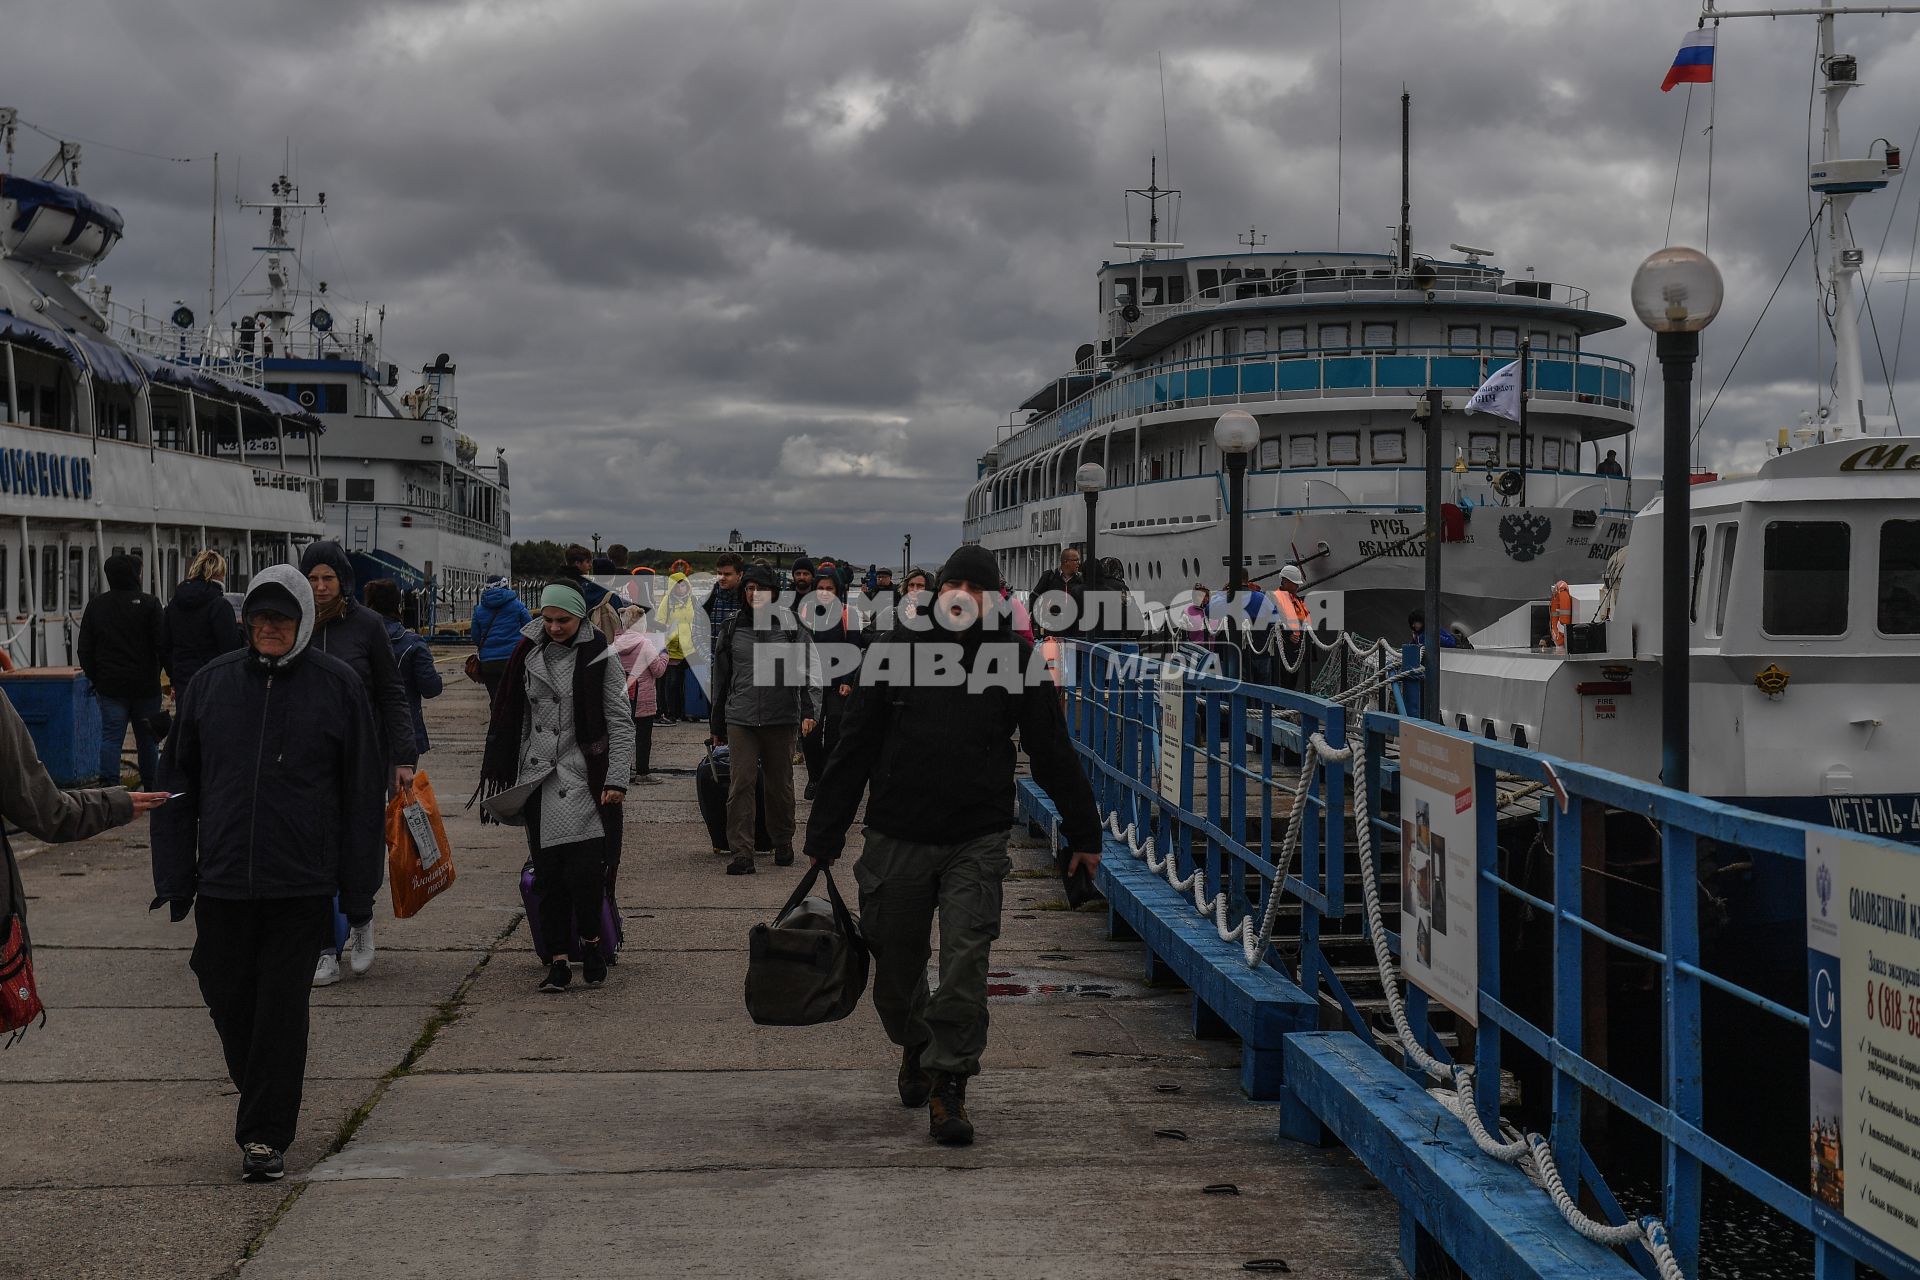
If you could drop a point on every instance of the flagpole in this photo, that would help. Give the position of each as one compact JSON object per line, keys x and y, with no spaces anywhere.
{"x":1526,"y":347}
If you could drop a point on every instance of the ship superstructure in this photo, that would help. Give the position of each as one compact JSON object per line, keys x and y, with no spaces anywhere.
{"x":1331,"y":352}
{"x":404,"y":490}
{"x":122,"y":433}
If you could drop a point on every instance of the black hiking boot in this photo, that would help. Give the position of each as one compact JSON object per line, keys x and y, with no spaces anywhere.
{"x":783,"y":855}
{"x":740,"y":867}
{"x":593,"y":966}
{"x":559,"y":977}
{"x":915,"y":1082}
{"x":947,"y":1121}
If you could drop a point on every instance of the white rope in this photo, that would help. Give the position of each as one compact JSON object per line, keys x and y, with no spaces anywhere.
{"x":1528,"y":1150}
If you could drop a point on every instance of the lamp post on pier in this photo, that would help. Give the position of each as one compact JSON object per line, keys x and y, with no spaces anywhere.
{"x":1090,"y":479}
{"x":1237,"y":433}
{"x":1676,"y":293}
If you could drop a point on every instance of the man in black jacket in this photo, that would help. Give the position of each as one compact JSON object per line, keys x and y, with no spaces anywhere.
{"x":938,"y":754}
{"x":1059,"y":597}
{"x":121,"y":637}
{"x":279,"y":768}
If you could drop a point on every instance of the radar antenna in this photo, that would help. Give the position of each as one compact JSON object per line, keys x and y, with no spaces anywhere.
{"x":1153,"y":194}
{"x":1251,"y":237}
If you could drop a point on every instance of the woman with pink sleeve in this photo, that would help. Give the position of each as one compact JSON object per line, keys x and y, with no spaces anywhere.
{"x":644,"y":659}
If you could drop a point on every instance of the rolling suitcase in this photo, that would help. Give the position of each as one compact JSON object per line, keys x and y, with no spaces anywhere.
{"x":610,"y":923}
{"x":712,"y":778}
{"x":698,"y":707}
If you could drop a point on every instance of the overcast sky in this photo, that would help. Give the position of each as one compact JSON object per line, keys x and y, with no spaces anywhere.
{"x":784,"y":266}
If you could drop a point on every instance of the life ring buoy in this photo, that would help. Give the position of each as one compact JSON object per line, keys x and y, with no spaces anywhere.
{"x":6,"y":660}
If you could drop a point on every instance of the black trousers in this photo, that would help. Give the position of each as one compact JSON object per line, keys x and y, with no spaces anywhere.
{"x":571,"y":882}
{"x":642,"y":745}
{"x":255,"y":963}
{"x":673,"y":690}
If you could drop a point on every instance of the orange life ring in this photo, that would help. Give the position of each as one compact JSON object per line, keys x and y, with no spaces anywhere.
{"x":6,"y":660}
{"x":1559,"y":614}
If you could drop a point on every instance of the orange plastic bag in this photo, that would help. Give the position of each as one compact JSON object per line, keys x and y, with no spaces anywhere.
{"x":419,"y":859}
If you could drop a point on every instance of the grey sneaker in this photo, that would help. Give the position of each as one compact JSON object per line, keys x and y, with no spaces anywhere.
{"x":360,"y":949}
{"x":327,"y":972}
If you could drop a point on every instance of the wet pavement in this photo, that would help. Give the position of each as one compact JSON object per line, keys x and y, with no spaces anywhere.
{"x":460,"y":1124}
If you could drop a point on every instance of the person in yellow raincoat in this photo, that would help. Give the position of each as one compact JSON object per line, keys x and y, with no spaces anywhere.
{"x":675,"y":620}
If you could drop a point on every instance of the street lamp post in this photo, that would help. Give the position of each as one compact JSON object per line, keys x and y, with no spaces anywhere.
{"x":1237,"y":433}
{"x":1676,"y":293}
{"x":1090,"y":479}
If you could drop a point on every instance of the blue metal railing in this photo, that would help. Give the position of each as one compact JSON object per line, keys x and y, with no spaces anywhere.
{"x":1323,"y":372}
{"x":1225,"y":815}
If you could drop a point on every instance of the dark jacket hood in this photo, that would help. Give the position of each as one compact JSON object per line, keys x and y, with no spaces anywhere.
{"x":197,"y":593}
{"x":334,"y":556}
{"x":123,"y":573}
{"x":494,"y":597}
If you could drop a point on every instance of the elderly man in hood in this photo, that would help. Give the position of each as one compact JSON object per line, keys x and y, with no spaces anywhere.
{"x":280,"y":809}
{"x":357,"y":636}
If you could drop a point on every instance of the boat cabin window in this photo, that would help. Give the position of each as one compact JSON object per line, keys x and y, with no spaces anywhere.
{"x":1122,"y":292}
{"x":1150,"y":291}
{"x":1377,"y":335}
{"x":1176,"y":289}
{"x":1333,"y":336}
{"x":1541,"y":340}
{"x":1207,"y":282}
{"x":359,"y":490}
{"x":1463,"y":337}
{"x":1803,"y":581}
{"x":1483,"y":448}
{"x":1513,"y":451}
{"x":1550,"y":454}
{"x":1269,"y":455}
{"x":1389,"y":446}
{"x":1725,"y":538}
{"x":1254,"y":341}
{"x":1899,"y":585}
{"x":1303,"y":451}
{"x":1294,"y":339}
{"x":1502,"y":339}
{"x":1699,"y":569}
{"x":1254,"y":281}
{"x":1343,"y":448}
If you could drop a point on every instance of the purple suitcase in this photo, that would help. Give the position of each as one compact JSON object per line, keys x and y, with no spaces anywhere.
{"x":610,"y":923}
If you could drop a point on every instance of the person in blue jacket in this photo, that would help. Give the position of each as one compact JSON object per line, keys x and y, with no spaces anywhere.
{"x":410,"y":654}
{"x":497,"y":622}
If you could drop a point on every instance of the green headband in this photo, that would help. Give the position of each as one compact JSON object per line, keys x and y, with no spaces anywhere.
{"x":558,"y":595}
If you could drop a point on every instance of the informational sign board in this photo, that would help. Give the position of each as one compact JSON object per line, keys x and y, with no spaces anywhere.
{"x":1439,"y":870}
{"x":1863,"y":1024}
{"x":1172,"y":734}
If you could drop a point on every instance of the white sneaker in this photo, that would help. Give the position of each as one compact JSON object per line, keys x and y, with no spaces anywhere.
{"x":360,"y":949}
{"x":327,"y":972}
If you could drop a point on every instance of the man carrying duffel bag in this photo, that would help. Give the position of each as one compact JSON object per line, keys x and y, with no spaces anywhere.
{"x":939,"y":758}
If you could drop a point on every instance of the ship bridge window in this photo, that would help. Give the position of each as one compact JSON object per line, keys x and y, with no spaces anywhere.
{"x":1726,"y":537}
{"x":1293,"y":339}
{"x":1483,"y":448}
{"x":1176,"y":289}
{"x":1513,"y":451}
{"x":1333,"y":336}
{"x":1254,"y":341}
{"x":1122,"y":292}
{"x":1463,"y":337}
{"x":1803,"y":580}
{"x":1503,"y":339}
{"x":1303,"y":451}
{"x":1389,"y":446}
{"x":1899,"y":586}
{"x":1343,"y":448}
{"x":1377,"y":336}
{"x":1550,"y":454}
{"x":1207,"y":282}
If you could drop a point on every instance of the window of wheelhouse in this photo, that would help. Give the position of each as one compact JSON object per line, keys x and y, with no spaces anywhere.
{"x":1150,"y":291}
{"x":1803,"y":578}
{"x":1463,"y":337}
{"x":1122,"y":291}
{"x":1376,"y":336}
{"x":1699,"y":571}
{"x":1483,"y":448}
{"x":1503,"y":339}
{"x":1333,"y":336}
{"x":1898,"y":589}
{"x":1293,"y":340}
{"x":1726,"y":539}
{"x":1206,"y":281}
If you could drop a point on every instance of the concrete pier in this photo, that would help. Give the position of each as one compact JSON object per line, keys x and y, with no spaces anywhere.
{"x":459,"y":1124}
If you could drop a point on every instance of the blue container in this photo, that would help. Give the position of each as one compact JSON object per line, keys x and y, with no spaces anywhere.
{"x":63,"y":715}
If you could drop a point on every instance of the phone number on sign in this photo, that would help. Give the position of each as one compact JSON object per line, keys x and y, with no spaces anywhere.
{"x":1893,"y":1008}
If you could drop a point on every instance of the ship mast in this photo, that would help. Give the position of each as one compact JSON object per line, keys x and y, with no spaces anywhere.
{"x":278,"y":311}
{"x":1838,"y":182}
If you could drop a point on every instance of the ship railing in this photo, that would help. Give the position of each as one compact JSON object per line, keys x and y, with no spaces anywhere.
{"x":1359,"y":287}
{"x":1558,"y":379}
{"x":158,"y":337}
{"x":1637,"y":988}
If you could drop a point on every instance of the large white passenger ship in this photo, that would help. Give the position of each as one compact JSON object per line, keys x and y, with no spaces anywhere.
{"x":404,"y":490}
{"x":122,"y":436}
{"x":1331,"y":352}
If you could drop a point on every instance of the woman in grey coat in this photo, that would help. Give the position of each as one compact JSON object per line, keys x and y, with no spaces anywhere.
{"x":559,"y":752}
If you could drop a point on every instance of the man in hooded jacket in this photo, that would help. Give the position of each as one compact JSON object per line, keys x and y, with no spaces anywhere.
{"x":495,"y":629}
{"x":357,"y":636}
{"x":939,"y":759}
{"x":121,"y":638}
{"x":279,"y":773}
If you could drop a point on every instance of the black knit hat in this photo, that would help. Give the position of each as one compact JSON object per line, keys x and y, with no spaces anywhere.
{"x":971,"y":563}
{"x":802,"y":563}
{"x":759,"y":575}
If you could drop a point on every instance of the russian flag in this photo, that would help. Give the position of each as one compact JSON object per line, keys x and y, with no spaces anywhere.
{"x":1694,"y":63}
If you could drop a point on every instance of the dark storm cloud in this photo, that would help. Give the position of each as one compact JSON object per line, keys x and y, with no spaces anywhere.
{"x":785,"y":267}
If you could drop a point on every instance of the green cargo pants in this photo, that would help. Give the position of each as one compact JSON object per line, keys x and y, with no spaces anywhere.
{"x":902,"y":885}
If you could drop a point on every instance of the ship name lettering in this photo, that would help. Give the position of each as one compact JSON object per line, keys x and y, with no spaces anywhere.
{"x":1881,"y":457}
{"x":1388,"y":528}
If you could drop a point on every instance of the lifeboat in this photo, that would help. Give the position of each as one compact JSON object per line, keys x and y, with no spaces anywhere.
{"x":55,"y":226}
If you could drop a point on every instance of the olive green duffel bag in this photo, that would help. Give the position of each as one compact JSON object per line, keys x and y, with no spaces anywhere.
{"x":810,"y":965}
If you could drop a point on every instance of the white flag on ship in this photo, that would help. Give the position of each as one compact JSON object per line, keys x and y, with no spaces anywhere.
{"x":1499,"y":395}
